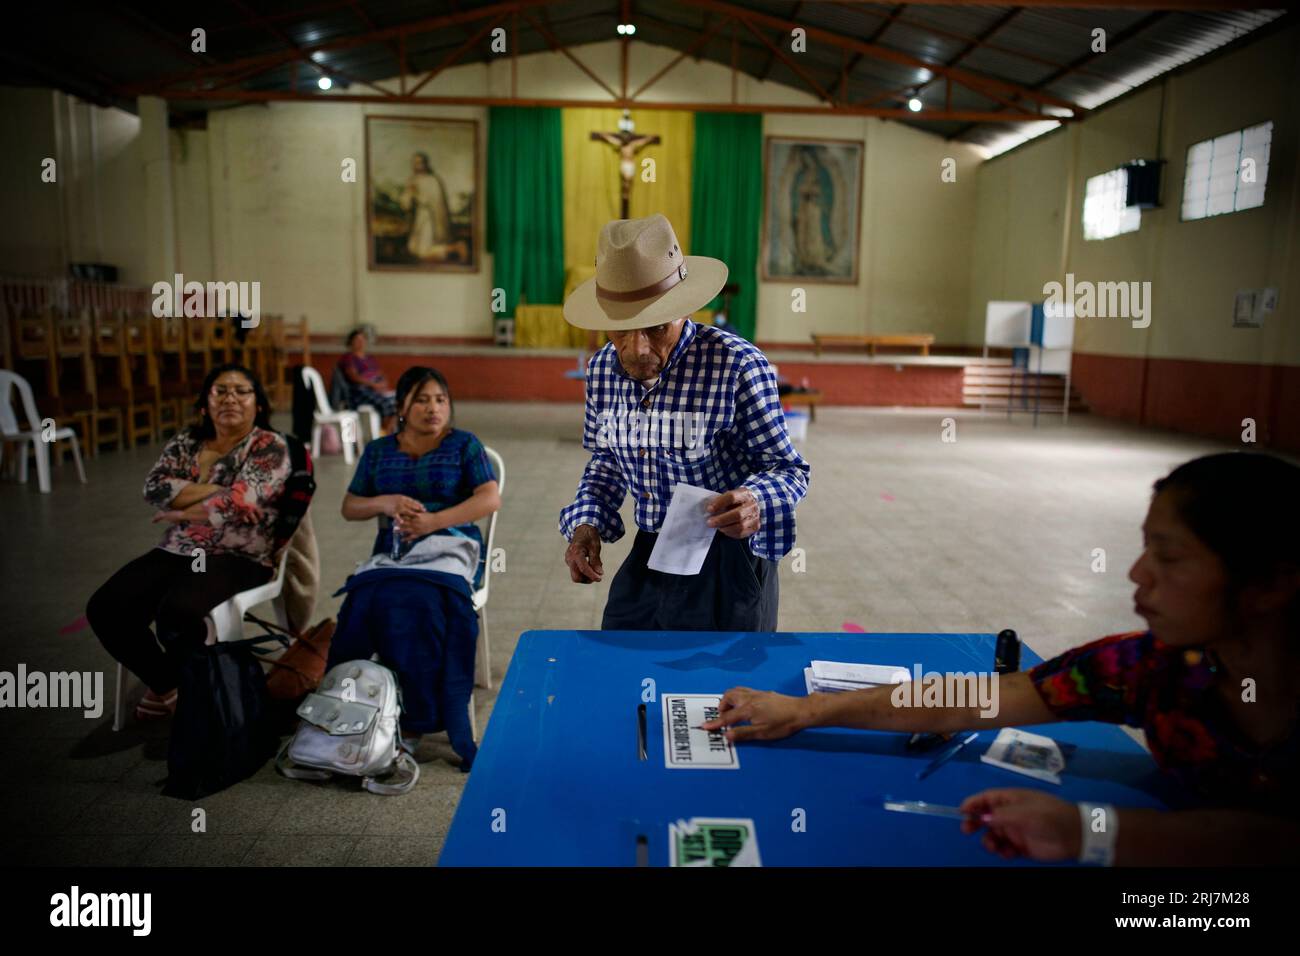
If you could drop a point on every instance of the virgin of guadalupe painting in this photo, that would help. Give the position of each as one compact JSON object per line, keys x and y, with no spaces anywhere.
{"x":812,"y":209}
{"x":422,"y":186}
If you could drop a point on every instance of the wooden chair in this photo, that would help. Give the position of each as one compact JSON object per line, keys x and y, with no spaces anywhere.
{"x":287,"y":338}
{"x":32,"y":354}
{"x":33,"y":347}
{"x":198,"y":346}
{"x":221,"y":339}
{"x":254,"y":352}
{"x":170,"y":360}
{"x":114,"y":386}
{"x":77,"y":394}
{"x":6,"y":348}
{"x":142,"y":367}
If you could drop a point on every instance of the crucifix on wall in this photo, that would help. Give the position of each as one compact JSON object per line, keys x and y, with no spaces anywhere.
{"x":628,"y":144}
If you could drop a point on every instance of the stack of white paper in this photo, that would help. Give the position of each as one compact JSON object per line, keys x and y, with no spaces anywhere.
{"x":834,"y":677}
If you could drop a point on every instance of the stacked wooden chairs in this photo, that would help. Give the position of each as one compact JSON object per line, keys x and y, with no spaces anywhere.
{"x":119,"y":376}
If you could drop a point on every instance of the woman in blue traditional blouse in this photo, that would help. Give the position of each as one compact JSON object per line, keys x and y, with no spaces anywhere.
{"x":427,"y":479}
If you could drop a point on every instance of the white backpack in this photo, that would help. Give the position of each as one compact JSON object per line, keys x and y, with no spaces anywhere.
{"x":350,"y":726}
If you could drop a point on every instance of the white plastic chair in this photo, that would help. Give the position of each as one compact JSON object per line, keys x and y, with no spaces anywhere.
{"x":225,"y":623}
{"x":349,"y":422}
{"x":483,"y":654}
{"x":483,"y":659}
{"x":371,"y":415}
{"x":9,"y":431}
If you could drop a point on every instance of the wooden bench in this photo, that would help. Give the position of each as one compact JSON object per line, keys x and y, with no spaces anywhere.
{"x":921,"y":340}
{"x":809,"y":399}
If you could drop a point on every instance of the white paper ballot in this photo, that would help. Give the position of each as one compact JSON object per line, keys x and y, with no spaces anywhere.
{"x":685,"y":536}
{"x":860,"y":673}
{"x":685,"y":745}
{"x":1022,"y":752}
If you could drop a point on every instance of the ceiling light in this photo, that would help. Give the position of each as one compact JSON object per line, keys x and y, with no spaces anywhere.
{"x":324,"y":83}
{"x":626,"y":29}
{"x":914,"y":105}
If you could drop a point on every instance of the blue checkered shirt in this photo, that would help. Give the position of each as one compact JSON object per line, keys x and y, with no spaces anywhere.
{"x":712,"y":419}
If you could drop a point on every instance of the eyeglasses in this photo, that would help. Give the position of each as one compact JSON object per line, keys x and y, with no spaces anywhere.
{"x":239,"y":391}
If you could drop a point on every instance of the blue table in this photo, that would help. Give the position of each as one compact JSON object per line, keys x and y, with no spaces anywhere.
{"x":558,"y":780}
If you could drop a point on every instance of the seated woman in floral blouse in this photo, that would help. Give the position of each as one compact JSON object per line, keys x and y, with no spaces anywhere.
{"x":428,"y":479}
{"x":216,"y":486}
{"x":1214,"y":682}
{"x":366,"y":382}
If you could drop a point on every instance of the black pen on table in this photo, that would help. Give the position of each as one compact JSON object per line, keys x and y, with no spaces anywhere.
{"x":947,"y":755}
{"x":1006,"y":660}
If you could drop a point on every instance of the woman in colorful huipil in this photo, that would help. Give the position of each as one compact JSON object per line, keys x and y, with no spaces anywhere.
{"x":411,"y":602}
{"x":366,"y":382}
{"x":215,"y":485}
{"x":1213,"y":681}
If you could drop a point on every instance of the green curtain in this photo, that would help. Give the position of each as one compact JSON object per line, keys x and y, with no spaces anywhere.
{"x":727,"y":205}
{"x":525,"y":194}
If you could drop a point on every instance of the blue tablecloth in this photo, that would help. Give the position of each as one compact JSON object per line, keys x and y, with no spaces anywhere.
{"x":558,"y":780}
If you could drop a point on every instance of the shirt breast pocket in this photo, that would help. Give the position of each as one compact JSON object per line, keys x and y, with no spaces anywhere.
{"x":682,"y":462}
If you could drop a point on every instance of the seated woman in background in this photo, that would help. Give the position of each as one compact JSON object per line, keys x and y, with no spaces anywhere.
{"x":1214,"y":682}
{"x":412,"y":601}
{"x":366,"y":383}
{"x":216,"y":485}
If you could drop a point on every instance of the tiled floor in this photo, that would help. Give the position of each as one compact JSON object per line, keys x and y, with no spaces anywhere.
{"x":901,"y":531}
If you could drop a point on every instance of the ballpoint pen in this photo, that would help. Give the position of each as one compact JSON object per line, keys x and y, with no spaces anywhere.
{"x":947,"y":755}
{"x":930,"y":809}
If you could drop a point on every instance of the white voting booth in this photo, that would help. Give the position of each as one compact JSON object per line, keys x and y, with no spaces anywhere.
{"x":1045,"y":331}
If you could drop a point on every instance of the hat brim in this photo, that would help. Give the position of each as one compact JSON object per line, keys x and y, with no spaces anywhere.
{"x":705,"y":278}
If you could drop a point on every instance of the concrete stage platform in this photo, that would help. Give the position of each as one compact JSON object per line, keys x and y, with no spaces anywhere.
{"x":485,"y":372}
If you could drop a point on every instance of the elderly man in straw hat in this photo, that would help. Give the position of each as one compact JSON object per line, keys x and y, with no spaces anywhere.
{"x":669,"y":401}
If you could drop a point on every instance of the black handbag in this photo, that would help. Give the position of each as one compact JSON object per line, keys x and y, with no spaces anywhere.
{"x":225,"y":728}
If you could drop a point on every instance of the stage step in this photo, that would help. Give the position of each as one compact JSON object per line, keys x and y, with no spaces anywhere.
{"x":998,"y":385}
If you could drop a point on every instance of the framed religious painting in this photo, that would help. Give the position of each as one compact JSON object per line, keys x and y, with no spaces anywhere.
{"x":422,"y":194}
{"x":812,"y":209}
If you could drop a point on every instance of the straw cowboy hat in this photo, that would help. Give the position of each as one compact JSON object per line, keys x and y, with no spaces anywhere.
{"x":642,"y":279}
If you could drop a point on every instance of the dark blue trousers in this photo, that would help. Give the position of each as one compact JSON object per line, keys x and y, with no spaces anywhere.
{"x":426,"y":633}
{"x":735,"y":591}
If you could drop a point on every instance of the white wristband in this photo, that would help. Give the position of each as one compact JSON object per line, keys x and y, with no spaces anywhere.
{"x":1100,"y":822}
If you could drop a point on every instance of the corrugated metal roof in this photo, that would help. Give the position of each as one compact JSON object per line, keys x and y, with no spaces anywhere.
{"x":118,"y":46}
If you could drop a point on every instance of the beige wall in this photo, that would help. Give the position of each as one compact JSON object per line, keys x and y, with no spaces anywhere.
{"x":1195,"y":267}
{"x":282,"y":214}
{"x":258,"y":196}
{"x":279,"y":213}
{"x":31,"y":244}
{"x":916,"y":237}
{"x":91,"y":213}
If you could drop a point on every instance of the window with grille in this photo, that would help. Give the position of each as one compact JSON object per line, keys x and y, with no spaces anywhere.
{"x":1104,"y":212}
{"x":1227,"y":173}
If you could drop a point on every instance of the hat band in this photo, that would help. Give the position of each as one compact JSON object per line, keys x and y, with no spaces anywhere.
{"x":663,"y":285}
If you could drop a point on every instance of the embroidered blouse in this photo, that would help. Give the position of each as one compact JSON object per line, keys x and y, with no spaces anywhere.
{"x":242,"y":517}
{"x":367,"y":368}
{"x":1170,"y":693}
{"x":439,"y":479}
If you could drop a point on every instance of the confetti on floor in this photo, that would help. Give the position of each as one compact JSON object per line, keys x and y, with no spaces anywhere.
{"x":79,"y":624}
